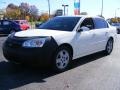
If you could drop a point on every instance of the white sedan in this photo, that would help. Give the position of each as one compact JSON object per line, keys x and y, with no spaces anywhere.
{"x":60,"y":40}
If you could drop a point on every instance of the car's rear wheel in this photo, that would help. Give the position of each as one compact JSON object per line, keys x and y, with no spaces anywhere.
{"x":109,"y":47}
{"x":62,"y":59}
{"x":118,"y":30}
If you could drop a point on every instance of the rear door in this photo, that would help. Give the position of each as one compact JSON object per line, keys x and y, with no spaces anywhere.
{"x":100,"y":33}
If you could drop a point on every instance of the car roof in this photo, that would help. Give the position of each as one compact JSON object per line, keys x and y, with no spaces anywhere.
{"x":8,"y":20}
{"x":82,"y":16}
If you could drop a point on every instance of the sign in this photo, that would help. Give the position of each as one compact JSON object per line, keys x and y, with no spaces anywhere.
{"x":77,"y":7}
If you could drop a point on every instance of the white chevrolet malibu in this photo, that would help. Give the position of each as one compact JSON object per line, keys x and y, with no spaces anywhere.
{"x":59,"y":41}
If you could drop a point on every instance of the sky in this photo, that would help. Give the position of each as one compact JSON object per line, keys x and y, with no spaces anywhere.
{"x":92,"y":7}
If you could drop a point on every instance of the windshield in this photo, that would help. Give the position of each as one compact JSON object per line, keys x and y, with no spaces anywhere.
{"x":61,"y":23}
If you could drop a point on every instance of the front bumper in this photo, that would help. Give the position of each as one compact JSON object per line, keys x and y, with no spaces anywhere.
{"x":13,"y":51}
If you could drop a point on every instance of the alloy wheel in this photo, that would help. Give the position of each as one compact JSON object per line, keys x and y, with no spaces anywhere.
{"x":62,"y":59}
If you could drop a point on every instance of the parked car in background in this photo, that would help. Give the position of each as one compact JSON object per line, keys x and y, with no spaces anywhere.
{"x":60,"y":40}
{"x":117,"y":25}
{"x":24,"y":25}
{"x":8,"y":26}
{"x":37,"y":25}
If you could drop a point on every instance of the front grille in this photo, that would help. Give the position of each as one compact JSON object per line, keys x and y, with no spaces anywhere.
{"x":13,"y":44}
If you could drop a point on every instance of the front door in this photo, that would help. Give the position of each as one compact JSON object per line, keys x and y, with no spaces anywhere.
{"x":84,"y":39}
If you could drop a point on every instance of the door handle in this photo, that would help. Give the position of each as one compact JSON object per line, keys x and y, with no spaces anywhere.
{"x":94,"y":35}
{"x":106,"y":33}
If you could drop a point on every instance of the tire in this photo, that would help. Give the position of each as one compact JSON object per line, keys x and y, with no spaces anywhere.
{"x":109,"y":47}
{"x":62,"y":59}
{"x":118,"y":31}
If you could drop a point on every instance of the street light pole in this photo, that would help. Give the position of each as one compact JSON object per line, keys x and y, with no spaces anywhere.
{"x":102,"y":9}
{"x":49,"y":7}
{"x":64,"y":6}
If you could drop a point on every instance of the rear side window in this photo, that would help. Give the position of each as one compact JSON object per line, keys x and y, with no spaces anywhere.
{"x":100,"y":23}
{"x":23,"y":22}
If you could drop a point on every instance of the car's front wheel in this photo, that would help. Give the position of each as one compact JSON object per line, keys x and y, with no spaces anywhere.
{"x":62,"y":59}
{"x":109,"y":47}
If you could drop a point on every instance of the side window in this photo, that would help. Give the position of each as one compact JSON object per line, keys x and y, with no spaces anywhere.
{"x":100,"y":23}
{"x":6,"y":23}
{"x":88,"y":22}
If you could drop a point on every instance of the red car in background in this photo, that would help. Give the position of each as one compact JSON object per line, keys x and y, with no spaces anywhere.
{"x":24,"y":25}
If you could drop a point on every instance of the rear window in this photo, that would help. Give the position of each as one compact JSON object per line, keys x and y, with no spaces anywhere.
{"x":17,"y":22}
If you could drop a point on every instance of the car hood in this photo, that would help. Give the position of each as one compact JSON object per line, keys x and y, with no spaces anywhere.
{"x":40,"y":32}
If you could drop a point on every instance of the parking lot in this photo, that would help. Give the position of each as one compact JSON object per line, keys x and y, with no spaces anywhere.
{"x":94,"y":72}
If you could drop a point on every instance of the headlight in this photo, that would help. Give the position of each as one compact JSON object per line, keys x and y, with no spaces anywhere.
{"x":39,"y":42}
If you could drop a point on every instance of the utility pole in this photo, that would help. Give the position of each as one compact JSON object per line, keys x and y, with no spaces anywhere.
{"x":64,"y":6}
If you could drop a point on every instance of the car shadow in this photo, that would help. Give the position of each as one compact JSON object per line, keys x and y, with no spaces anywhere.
{"x":16,"y":76}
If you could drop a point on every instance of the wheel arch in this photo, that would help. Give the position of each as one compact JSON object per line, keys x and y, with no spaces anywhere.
{"x":108,"y":51}
{"x":68,"y":46}
{"x":111,"y":38}
{"x":53,"y":63}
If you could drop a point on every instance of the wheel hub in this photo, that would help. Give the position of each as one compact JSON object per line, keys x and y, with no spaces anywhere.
{"x":62,"y":59}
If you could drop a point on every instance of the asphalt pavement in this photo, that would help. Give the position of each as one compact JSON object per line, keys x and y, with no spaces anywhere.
{"x":93,"y":72}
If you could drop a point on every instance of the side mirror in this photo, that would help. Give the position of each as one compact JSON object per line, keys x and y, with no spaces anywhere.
{"x":83,"y":28}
